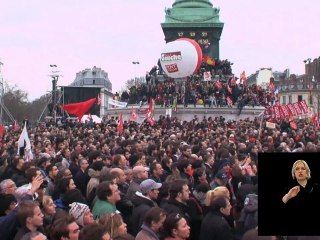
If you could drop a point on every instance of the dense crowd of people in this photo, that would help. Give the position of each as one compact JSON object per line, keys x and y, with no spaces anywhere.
{"x":222,"y":90}
{"x":173,"y":180}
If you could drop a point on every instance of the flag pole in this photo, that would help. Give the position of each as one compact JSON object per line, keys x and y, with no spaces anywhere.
{"x":260,"y":127}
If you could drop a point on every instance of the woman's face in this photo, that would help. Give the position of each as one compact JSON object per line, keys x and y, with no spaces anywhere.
{"x":203,"y":177}
{"x":71,"y":184}
{"x":88,"y":218}
{"x":226,"y":211}
{"x":122,"y":228}
{"x":183,"y":229}
{"x":50,"y":208}
{"x":300,"y":172}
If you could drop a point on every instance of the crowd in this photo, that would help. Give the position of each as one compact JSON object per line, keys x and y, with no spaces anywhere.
{"x":173,"y":180}
{"x":223,"y":90}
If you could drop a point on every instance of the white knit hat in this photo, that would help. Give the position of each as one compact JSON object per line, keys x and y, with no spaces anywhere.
{"x":77,"y":210}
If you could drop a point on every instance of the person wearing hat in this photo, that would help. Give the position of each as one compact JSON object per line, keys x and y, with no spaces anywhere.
{"x":143,"y":201}
{"x":81,"y":213}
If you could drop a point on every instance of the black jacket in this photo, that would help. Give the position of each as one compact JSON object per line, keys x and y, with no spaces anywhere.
{"x":173,"y":206}
{"x":215,"y":227}
{"x":141,"y":206}
{"x":305,"y":207}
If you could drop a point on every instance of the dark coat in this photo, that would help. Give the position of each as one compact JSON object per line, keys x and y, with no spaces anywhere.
{"x":303,"y":206}
{"x":191,"y":211}
{"x":19,"y":178}
{"x":81,"y":180}
{"x":133,"y":188}
{"x":9,"y":224}
{"x":173,"y":206}
{"x":141,"y":206}
{"x":215,"y":227}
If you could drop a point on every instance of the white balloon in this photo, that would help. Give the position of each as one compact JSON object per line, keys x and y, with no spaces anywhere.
{"x":181,"y":58}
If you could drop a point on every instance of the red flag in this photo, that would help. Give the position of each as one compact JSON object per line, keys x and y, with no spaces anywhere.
{"x":208,"y":60}
{"x":229,"y":89}
{"x":2,"y":131}
{"x":304,"y":107}
{"x":151,"y":121}
{"x":151,"y":106}
{"x":80,"y":108}
{"x":277,"y":112}
{"x":134,"y":115}
{"x":218,"y":84}
{"x":285,"y":111}
{"x":120,"y":124}
{"x":297,"y":108}
{"x":293,"y":125}
{"x":149,"y":117}
{"x":229,"y":101}
{"x":292,"y":109}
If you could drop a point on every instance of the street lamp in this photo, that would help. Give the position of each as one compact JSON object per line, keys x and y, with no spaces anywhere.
{"x":135,"y":77}
{"x":55,"y":76}
{"x":307,"y":61}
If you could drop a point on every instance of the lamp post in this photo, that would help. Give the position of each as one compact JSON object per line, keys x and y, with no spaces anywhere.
{"x":135,"y":77}
{"x":55,"y":76}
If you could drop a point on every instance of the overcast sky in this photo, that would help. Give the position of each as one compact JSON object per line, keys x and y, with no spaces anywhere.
{"x":79,"y":34}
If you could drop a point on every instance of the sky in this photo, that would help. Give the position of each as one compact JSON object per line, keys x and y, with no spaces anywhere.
{"x":110,"y":34}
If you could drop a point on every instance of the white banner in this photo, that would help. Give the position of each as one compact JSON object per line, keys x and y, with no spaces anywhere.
{"x":115,"y":103}
{"x":270,"y":125}
{"x":169,"y":112}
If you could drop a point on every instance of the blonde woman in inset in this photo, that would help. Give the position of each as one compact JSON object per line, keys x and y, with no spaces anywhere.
{"x":301,"y":173}
{"x":301,"y":202}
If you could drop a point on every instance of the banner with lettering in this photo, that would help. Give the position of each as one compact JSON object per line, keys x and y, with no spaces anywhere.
{"x":289,"y":110}
{"x":114,"y":103}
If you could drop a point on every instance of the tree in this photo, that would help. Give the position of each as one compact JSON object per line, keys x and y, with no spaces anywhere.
{"x":20,"y":108}
{"x":16,"y":102}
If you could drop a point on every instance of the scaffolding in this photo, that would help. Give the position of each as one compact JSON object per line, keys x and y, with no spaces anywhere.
{"x":3,"y":108}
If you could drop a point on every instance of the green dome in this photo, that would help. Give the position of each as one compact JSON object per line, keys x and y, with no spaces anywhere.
{"x":192,"y":4}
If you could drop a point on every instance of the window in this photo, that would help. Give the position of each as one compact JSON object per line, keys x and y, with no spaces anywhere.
{"x":300,"y":98}
{"x":311,"y":100}
{"x":93,"y":81}
{"x":284,"y":98}
{"x":290,"y":99}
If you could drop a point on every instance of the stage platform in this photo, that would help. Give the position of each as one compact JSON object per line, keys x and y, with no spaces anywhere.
{"x":188,"y":113}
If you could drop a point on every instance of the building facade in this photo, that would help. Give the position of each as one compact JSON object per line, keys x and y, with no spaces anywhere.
{"x":263,"y":75}
{"x":304,"y":87}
